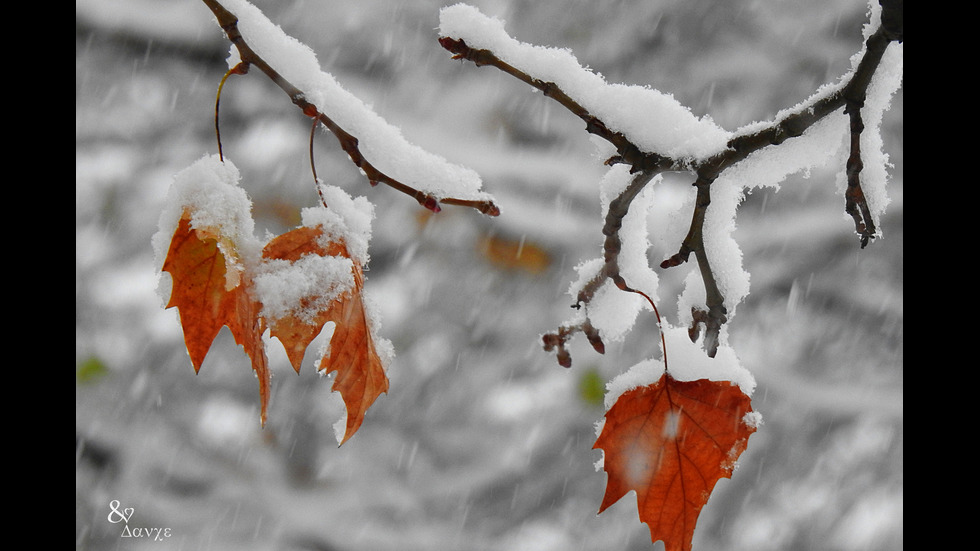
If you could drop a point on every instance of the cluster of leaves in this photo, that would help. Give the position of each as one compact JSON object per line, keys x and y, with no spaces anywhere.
{"x":210,"y":293}
{"x":214,"y":281}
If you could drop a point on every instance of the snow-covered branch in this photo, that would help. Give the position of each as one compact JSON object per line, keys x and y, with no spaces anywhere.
{"x":374,"y":146}
{"x":653,"y":133}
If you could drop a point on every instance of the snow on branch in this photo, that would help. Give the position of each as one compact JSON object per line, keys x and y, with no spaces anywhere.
{"x":644,"y":124}
{"x":653,"y":133}
{"x":373,"y":145}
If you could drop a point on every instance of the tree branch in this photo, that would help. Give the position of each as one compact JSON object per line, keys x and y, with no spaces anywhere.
{"x":349,"y":143}
{"x":850,"y":95}
{"x":628,"y":153}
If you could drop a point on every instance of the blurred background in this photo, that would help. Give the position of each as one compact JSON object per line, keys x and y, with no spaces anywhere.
{"x":483,"y":442}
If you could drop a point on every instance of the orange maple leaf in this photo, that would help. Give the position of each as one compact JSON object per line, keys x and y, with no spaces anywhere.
{"x":671,"y":441}
{"x":209,"y":296}
{"x":201,"y":293}
{"x":352,"y":354}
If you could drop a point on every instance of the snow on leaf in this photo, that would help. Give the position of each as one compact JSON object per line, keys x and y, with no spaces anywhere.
{"x":352,"y":353}
{"x":670,"y":442}
{"x":300,"y":281}
{"x":302,"y":315}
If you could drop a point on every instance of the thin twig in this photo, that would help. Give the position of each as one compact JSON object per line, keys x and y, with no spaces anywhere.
{"x":612,"y":246}
{"x":316,"y":179}
{"x":239,"y":69}
{"x":856,"y":204}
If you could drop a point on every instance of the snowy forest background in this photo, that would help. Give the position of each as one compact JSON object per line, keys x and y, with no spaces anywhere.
{"x":483,"y":442}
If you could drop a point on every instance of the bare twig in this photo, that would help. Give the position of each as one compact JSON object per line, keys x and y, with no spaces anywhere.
{"x":618,"y":209}
{"x":856,"y":92}
{"x":855,"y":204}
{"x":556,"y":341}
{"x":229,"y":23}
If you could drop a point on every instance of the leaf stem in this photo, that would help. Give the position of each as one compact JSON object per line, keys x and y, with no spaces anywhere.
{"x":239,"y":69}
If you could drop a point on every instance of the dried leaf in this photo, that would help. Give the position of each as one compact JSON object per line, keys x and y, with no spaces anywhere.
{"x":294,"y":333}
{"x":201,"y":293}
{"x":671,"y":442}
{"x":352,"y":354}
{"x":515,"y":255}
{"x":208,"y":297}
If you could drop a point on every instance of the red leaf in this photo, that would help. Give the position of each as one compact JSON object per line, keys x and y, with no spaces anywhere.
{"x":201,"y":293}
{"x":208,"y":297}
{"x":360,"y":376}
{"x":295,"y":334}
{"x":671,"y":442}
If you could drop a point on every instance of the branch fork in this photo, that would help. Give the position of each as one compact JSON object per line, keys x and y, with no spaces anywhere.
{"x":646,"y":164}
